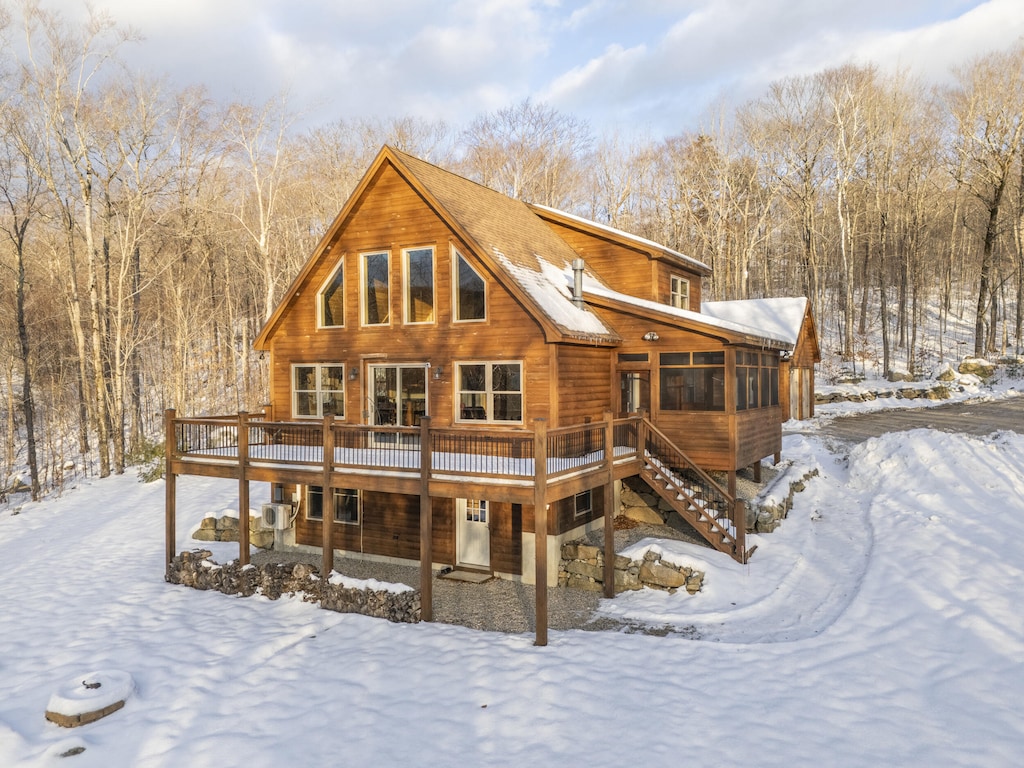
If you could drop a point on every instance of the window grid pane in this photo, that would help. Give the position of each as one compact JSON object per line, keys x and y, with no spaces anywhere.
{"x":470,"y":301}
{"x":377,"y":298}
{"x":419,"y":285}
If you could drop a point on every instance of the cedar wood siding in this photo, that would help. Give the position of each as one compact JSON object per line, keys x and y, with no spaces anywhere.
{"x":628,"y":270}
{"x":584,"y":390}
{"x":392,"y":216}
{"x":389,"y":526}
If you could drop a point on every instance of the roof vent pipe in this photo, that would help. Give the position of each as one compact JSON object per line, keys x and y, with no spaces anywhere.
{"x":577,"y":282}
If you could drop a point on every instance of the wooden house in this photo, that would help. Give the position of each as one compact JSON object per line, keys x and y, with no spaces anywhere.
{"x":461,"y":379}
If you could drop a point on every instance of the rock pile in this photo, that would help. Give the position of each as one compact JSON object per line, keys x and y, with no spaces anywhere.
{"x":582,"y":567}
{"x":225,"y":528}
{"x":195,"y":569}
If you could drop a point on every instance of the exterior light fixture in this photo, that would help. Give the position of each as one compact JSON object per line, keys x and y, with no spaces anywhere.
{"x":353,"y":374}
{"x":651,"y":336}
{"x":439,"y":372}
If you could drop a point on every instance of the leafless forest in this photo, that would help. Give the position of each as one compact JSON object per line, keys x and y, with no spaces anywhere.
{"x":146,"y":232}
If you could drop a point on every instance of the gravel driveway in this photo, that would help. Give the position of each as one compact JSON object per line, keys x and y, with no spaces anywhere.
{"x":973,"y":418}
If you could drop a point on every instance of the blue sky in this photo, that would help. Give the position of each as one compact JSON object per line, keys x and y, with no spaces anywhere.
{"x":654,"y":67}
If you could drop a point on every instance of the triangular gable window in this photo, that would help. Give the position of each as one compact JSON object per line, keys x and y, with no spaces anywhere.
{"x":330,"y":301}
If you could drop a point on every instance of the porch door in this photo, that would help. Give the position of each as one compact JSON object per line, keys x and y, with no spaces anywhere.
{"x":635,"y":391}
{"x":398,"y":395}
{"x":473,"y":533}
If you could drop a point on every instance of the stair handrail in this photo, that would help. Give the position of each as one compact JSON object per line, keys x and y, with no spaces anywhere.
{"x":690,"y":463}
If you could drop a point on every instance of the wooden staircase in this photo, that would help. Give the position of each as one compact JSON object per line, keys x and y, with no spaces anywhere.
{"x":698,"y":499}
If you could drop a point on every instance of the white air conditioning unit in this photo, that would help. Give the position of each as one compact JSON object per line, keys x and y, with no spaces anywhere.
{"x":277,"y":516}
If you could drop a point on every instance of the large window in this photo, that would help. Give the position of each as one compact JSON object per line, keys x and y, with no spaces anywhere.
{"x":470,"y":291}
{"x":330,"y":301}
{"x":680,"y":292}
{"x":376,"y":288}
{"x":318,"y":389}
{"x":757,"y":380}
{"x":692,"y":381}
{"x":346,"y":504}
{"x":418,"y":264}
{"x":490,"y":391}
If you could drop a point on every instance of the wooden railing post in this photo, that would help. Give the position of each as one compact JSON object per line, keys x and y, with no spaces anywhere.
{"x":327,"y":498}
{"x":609,"y":505}
{"x":540,"y":528}
{"x":740,"y":523}
{"x":170,"y":499}
{"x":426,"y":525}
{"x":243,"y":488}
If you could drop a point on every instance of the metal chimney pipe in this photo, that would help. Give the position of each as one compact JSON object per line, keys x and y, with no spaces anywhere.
{"x":577,"y":282}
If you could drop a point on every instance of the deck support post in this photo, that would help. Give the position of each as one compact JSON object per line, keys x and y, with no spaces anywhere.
{"x":426,"y":525}
{"x":243,"y":488}
{"x":327,"y":499}
{"x":609,"y":505}
{"x":170,"y":498}
{"x":757,"y":471}
{"x":540,"y":529}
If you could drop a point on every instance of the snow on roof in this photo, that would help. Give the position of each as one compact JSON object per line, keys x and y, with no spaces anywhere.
{"x":781,"y":317}
{"x":550,"y":287}
{"x":625,"y":235}
{"x":769,"y":333}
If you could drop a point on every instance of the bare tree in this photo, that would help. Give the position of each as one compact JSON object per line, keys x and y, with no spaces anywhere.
{"x":987,"y":106}
{"x":528,"y":151}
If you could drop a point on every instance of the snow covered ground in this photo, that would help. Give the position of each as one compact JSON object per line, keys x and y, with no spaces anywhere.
{"x":880,"y":625}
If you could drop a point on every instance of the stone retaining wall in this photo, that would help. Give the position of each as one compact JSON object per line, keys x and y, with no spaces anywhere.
{"x":582,"y":567}
{"x":938,"y":392}
{"x":195,"y":569}
{"x":765,"y":513}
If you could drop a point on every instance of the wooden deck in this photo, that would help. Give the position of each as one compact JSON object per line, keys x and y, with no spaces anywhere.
{"x":532,"y":467}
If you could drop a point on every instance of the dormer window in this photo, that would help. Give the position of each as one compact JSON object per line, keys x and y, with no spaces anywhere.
{"x":470,"y":298}
{"x":330,"y":301}
{"x":680,"y":292}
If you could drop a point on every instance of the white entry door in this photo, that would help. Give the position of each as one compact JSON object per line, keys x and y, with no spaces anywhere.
{"x":473,"y":533}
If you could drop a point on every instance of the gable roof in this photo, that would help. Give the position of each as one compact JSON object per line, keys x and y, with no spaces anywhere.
{"x":729,"y":330}
{"x":512,"y":239}
{"x":651,"y":248}
{"x":522,"y":251}
{"x":783,"y":317}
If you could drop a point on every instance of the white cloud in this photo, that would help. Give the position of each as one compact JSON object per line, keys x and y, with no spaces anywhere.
{"x":653,"y":64}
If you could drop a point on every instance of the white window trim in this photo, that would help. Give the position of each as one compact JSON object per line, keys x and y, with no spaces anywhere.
{"x":319,"y":402}
{"x":320,"y":297}
{"x":489,"y":391}
{"x":364,"y":313}
{"x":405,"y":284}
{"x":456,"y":255}
{"x":673,"y":293}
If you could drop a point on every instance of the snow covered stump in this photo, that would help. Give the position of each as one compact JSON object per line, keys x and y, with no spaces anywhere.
{"x":87,"y":698}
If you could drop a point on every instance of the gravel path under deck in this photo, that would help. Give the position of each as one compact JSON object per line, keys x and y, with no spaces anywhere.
{"x":497,"y":605}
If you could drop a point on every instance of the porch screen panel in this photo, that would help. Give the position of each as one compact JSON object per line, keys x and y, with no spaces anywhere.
{"x":692,"y":382}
